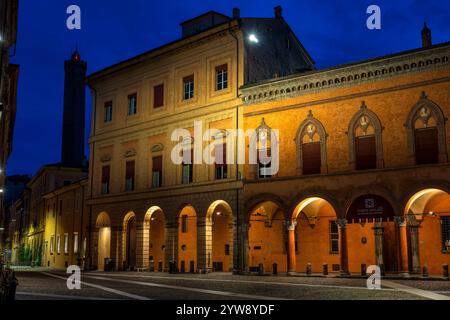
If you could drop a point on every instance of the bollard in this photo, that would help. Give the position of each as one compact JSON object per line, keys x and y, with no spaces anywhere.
{"x":275,"y":268}
{"x":382,"y":270}
{"x":325,"y":269}
{"x":261,"y":269}
{"x":425,"y":273}
{"x":308,"y":269}
{"x":363,"y":269}
{"x":445,"y":270}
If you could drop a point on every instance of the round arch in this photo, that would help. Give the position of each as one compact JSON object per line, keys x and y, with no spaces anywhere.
{"x":187,"y":239}
{"x":129,"y":241}
{"x":154,"y":239}
{"x":219,"y":237}
{"x":103,"y":223}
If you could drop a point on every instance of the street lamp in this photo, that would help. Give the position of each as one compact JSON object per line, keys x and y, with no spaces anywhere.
{"x":252,"y":38}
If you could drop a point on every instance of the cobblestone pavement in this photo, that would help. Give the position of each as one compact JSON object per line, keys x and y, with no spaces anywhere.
{"x":51,"y":285}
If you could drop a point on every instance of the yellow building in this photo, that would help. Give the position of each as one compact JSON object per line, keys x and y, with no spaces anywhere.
{"x":66,"y":219}
{"x":363,"y":156}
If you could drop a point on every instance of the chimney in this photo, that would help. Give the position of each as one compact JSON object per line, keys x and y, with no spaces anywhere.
{"x":426,"y":36}
{"x":278,"y":10}
{"x":236,"y":13}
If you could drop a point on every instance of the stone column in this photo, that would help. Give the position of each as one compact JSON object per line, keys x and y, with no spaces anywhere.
{"x":414,"y":242}
{"x":242,"y":248}
{"x":402,"y":244}
{"x":142,"y":245}
{"x":342,"y":224}
{"x":116,"y":247}
{"x":378,"y":232}
{"x":292,"y":263}
{"x":171,"y":244}
{"x":204,"y":245}
{"x":93,"y":250}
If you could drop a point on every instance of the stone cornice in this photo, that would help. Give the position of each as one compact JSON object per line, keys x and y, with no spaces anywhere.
{"x":353,"y":74}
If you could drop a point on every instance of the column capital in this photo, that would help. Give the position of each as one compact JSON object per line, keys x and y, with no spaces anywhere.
{"x":400,"y":221}
{"x":291,"y":225}
{"x":342,"y":223}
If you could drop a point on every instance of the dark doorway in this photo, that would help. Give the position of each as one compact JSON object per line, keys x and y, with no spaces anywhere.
{"x":131,"y":244}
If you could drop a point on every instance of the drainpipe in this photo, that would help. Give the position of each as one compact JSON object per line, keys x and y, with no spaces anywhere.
{"x":240,"y":251}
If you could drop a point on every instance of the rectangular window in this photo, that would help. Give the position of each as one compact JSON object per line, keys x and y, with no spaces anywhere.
{"x":188,"y":87}
{"x":158,"y":96}
{"x":221,"y":161}
{"x":52,"y":244}
{"x":157,"y":172}
{"x":187,"y":170}
{"x":264,"y":163}
{"x":106,"y":171}
{"x":227,"y":249}
{"x":132,"y":104}
{"x":184,"y":224}
{"x":365,"y":152}
{"x":221,"y":77}
{"x":311,"y":158}
{"x":66,"y":243}
{"x":108,"y":111}
{"x":334,"y":237}
{"x":75,"y":242}
{"x":58,"y":244}
{"x":426,"y":145}
{"x":129,"y":175}
{"x":445,"y":228}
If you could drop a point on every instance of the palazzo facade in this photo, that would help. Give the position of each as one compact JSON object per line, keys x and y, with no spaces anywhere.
{"x":363,"y":178}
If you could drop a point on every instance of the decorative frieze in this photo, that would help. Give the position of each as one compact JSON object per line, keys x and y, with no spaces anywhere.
{"x":347,"y":75}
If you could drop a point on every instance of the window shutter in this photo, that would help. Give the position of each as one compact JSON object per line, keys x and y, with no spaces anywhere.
{"x":157,"y":163}
{"x":311,"y":158}
{"x":365,"y":153}
{"x":426,"y":145}
{"x":105,"y":174}
{"x":158,"y":96}
{"x":130,"y":170}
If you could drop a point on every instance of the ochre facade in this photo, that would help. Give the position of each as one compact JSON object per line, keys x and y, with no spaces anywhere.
{"x":375,"y":197}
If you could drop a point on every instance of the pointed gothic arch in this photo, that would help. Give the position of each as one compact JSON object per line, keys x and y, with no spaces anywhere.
{"x":429,"y":115}
{"x":365,"y":124}
{"x":311,"y":128}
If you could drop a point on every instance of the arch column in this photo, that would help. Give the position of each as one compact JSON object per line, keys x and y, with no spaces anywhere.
{"x":171,"y":243}
{"x":142,"y":245}
{"x":402,"y":244}
{"x":242,"y":247}
{"x":204,"y":246}
{"x":414,"y":242}
{"x":292,"y":263}
{"x":378,"y":232}
{"x":342,"y":224}
{"x":116,"y":247}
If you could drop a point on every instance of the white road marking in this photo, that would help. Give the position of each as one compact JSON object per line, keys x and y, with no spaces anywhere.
{"x":58,"y":296}
{"x":215,"y":292}
{"x":248,"y":281}
{"x":122,"y":293}
{"x":415,"y":291}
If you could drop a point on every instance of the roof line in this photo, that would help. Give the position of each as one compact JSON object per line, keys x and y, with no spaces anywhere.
{"x":344,"y":65}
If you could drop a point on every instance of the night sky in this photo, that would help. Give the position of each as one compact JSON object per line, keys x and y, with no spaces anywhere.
{"x":333,"y":32}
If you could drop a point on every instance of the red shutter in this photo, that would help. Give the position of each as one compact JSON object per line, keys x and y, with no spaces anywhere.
{"x":311,"y":158}
{"x":130,"y":170}
{"x":157,"y":164}
{"x":426,"y":145}
{"x":105,"y":174}
{"x":158,"y":96}
{"x":365,"y":153}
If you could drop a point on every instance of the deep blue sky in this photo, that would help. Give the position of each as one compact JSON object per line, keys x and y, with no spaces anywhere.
{"x":333,"y":32}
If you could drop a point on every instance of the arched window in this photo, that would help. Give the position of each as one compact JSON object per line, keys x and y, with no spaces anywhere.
{"x":311,"y":147}
{"x":365,"y":145}
{"x":425,"y":127}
